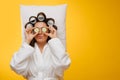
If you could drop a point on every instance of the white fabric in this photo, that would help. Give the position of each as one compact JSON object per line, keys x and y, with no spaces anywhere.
{"x":46,"y":65}
{"x":57,"y":12}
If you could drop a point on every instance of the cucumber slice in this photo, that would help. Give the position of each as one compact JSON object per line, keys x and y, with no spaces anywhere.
{"x":36,"y":30}
{"x":44,"y":29}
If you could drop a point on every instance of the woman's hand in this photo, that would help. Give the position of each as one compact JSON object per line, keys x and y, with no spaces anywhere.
{"x":53,"y":32}
{"x":29,"y":35}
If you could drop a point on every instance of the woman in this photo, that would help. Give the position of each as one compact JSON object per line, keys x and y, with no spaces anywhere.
{"x":42,"y":55}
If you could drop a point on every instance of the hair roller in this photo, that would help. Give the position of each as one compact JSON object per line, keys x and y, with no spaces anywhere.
{"x":50,"y":21}
{"x":32,"y":19}
{"x":28,"y":25}
{"x":41,"y":16}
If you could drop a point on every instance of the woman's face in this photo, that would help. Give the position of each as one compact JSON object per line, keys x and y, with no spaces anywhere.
{"x":41,"y":37}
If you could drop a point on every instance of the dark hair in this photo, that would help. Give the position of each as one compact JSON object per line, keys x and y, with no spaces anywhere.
{"x":32,"y":43}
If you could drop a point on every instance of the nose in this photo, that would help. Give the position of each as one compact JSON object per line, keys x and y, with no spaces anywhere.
{"x":40,"y":32}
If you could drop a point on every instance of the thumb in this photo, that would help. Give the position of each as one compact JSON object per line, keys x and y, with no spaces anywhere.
{"x":47,"y":34}
{"x":35,"y":34}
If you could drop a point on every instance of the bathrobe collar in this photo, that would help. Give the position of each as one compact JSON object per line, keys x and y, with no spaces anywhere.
{"x":38,"y":50}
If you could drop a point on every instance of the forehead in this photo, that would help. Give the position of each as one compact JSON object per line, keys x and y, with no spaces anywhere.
{"x":40,"y":24}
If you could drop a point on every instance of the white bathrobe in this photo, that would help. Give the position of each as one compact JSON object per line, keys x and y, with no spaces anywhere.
{"x":48,"y":65}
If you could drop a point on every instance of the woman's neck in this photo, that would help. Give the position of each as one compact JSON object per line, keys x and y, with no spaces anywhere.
{"x":41,"y":46}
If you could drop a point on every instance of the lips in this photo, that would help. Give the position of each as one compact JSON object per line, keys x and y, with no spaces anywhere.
{"x":40,"y":36}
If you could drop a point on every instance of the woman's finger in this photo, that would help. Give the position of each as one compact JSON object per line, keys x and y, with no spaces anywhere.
{"x":35,"y":34}
{"x":51,"y":30}
{"x":47,"y":34}
{"x":30,"y":30}
{"x":26,"y":30}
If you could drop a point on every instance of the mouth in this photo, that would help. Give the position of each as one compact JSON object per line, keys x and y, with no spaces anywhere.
{"x":40,"y":36}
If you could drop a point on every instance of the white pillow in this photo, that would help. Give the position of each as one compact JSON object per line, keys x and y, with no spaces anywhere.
{"x":57,"y":12}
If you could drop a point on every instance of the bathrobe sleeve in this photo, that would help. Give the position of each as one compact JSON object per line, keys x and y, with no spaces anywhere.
{"x":20,"y":59}
{"x":61,"y":60}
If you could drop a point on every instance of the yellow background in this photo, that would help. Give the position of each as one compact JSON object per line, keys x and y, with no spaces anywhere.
{"x":93,"y":37}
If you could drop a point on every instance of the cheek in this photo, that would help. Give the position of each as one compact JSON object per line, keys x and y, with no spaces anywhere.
{"x":45,"y":37}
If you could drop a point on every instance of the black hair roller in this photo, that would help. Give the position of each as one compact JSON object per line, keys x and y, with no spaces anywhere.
{"x":33,"y":20}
